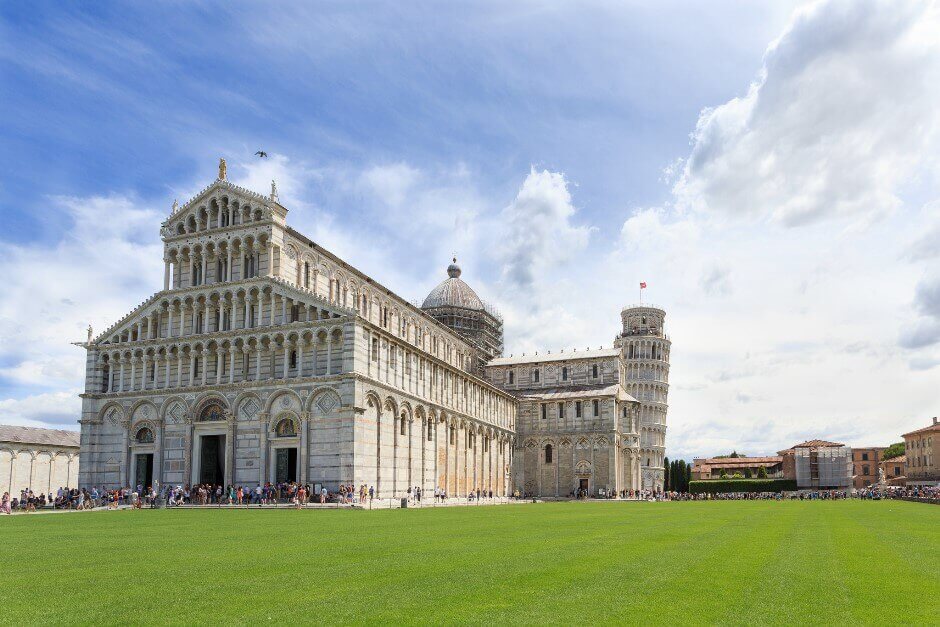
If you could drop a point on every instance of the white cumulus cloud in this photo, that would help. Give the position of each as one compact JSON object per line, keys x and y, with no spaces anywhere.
{"x":843,"y":113}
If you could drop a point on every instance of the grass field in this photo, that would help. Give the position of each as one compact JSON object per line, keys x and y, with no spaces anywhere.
{"x":691,"y":563}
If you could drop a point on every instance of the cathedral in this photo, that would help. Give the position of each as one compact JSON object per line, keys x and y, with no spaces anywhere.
{"x":266,"y":358}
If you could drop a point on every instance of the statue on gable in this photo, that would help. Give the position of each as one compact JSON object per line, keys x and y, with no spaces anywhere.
{"x":273,"y":190}
{"x":222,"y":170}
{"x":90,"y":333}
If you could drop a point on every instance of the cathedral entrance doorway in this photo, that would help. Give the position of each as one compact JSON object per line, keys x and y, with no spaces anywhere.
{"x":212,"y":459}
{"x":285,"y":465}
{"x":143,"y":470}
{"x":583,"y":486}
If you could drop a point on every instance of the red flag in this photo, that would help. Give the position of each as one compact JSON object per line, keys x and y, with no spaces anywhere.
{"x":642,"y":285}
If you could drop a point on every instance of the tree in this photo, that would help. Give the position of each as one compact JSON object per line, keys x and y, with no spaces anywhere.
{"x":747,"y":473}
{"x":895,"y":450}
{"x":688,"y":476}
{"x":679,"y":478}
{"x":761,"y":473}
{"x":665,"y":474}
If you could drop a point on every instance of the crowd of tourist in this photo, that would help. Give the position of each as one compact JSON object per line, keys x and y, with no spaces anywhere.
{"x":298,"y":495}
{"x":927,"y":493}
{"x":75,"y":499}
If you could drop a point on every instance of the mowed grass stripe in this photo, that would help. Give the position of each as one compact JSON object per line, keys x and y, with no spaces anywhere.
{"x":676,"y":563}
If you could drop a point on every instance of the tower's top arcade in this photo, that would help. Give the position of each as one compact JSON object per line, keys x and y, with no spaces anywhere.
{"x":643,"y":320}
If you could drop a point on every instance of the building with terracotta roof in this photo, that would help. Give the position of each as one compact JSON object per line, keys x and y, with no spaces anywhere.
{"x":715,"y":467}
{"x":865,"y":463}
{"x":818,"y":465}
{"x":894,"y":470}
{"x":42,"y":460}
{"x":922,"y":450}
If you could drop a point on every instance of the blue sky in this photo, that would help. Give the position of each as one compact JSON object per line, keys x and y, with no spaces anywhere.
{"x":767,"y":168}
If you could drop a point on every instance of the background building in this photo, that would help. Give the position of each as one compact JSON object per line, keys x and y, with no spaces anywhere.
{"x":865,"y":464}
{"x":43,"y":460}
{"x":922,"y":453}
{"x":715,"y":467}
{"x":894,"y":470}
{"x":818,"y":464}
{"x":645,"y":348}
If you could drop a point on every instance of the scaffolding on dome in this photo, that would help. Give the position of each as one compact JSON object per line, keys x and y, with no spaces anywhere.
{"x":481,"y":328}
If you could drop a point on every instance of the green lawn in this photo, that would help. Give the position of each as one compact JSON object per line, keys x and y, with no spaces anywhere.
{"x":691,"y":563}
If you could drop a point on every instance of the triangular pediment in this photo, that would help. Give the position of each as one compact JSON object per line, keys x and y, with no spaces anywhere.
{"x":189,"y":215}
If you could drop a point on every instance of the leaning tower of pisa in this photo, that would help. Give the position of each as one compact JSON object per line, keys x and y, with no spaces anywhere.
{"x":645,"y":347}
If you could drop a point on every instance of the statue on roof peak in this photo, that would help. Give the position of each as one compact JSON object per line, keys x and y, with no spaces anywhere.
{"x":222,"y":172}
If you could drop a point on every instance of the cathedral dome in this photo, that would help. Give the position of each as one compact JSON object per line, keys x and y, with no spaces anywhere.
{"x":453,"y":292}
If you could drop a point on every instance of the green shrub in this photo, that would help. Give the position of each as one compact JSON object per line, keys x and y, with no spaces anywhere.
{"x":895,"y":450}
{"x":737,"y":475}
{"x":742,"y":485}
{"x":747,"y":473}
{"x":761,"y":473}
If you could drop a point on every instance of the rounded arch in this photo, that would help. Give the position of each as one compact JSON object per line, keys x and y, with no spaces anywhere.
{"x":405,"y":409}
{"x":278,"y":396}
{"x":173,"y":410}
{"x":247,"y":405}
{"x":210,"y":406}
{"x":112,"y":412}
{"x":325,"y":400}
{"x":372,"y":400}
{"x":390,"y":405}
{"x":143,"y":410}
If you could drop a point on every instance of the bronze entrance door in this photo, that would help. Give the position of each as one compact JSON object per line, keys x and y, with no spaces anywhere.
{"x":285,"y":469}
{"x":143,"y":472}
{"x":212,"y":459}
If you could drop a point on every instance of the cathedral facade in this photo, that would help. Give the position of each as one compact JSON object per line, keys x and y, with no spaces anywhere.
{"x":266,"y":358}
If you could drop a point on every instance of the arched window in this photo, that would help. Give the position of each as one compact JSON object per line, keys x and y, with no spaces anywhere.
{"x":293,"y":359}
{"x":564,"y":373}
{"x":512,"y":377}
{"x":430,"y":431}
{"x":285,"y":428}
{"x":144,"y":436}
{"x":548,"y":453}
{"x":536,"y":375}
{"x":403,"y":424}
